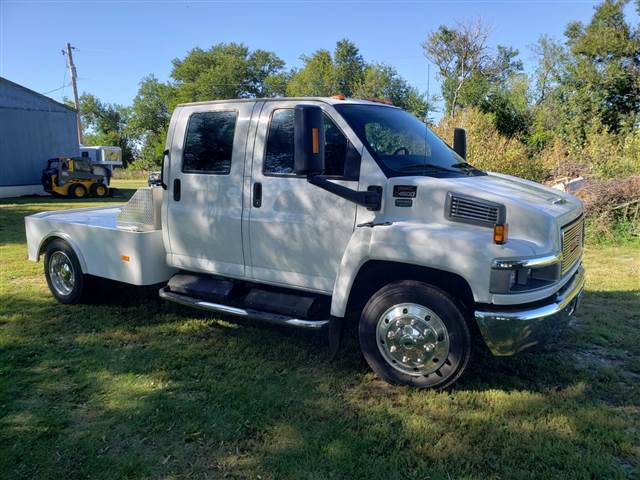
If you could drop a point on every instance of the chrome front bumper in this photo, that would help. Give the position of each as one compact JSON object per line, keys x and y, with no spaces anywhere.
{"x":510,"y":330}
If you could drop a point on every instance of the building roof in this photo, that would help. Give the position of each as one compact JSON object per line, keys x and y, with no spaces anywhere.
{"x":28,"y":91}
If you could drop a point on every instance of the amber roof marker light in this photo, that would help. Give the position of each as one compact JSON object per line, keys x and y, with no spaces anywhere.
{"x":379,"y":100}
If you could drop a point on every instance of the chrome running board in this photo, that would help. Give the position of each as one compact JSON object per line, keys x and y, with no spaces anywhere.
{"x":267,"y":317}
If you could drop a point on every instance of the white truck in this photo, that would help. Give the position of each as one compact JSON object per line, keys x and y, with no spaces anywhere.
{"x":310,"y":212}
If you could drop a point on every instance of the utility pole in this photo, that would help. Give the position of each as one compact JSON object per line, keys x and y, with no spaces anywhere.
{"x":74,"y":74}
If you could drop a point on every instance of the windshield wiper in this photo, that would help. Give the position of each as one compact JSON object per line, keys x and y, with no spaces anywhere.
{"x":427,"y":166}
{"x":463,"y":165}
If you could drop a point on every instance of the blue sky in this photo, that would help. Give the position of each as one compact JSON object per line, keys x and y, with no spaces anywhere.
{"x":119,"y":42}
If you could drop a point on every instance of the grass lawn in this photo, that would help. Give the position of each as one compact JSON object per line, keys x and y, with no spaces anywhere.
{"x":131,"y":387}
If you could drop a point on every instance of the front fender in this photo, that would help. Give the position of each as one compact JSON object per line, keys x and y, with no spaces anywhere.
{"x":465,"y":250}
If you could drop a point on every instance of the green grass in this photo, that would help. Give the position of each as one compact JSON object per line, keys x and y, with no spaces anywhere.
{"x":130,"y":387}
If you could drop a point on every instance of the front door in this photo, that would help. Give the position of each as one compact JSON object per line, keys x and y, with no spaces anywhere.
{"x":298,"y":232}
{"x":206,"y":188}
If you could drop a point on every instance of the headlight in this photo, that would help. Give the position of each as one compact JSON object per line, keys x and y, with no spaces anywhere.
{"x":521,"y":275}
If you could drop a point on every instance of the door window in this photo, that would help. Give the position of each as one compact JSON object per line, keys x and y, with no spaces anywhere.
{"x":278,"y":159}
{"x":209,"y":143}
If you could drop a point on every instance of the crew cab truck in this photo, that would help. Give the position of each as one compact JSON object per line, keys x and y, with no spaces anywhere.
{"x":310,"y":212}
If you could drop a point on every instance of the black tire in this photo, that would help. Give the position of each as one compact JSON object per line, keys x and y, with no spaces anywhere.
{"x":449,"y":315}
{"x":99,"y":190}
{"x":76,"y":294}
{"x":77,"y":190}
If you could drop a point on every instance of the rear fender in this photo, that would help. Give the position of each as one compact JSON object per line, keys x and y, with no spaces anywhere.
{"x":66,"y":238}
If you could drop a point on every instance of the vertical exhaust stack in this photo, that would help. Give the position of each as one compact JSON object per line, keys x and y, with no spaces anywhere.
{"x":460,"y":142}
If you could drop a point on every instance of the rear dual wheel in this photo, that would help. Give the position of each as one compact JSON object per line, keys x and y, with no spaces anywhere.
{"x":63,"y":272}
{"x":414,"y":334}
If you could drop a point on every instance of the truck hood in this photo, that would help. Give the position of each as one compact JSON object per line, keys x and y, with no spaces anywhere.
{"x":553,"y":202}
{"x":535,"y":213}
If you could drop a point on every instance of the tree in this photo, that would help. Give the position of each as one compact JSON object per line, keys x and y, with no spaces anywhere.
{"x":315,"y":79}
{"x":324,"y":74}
{"x":603,"y":75}
{"x":467,"y":65}
{"x":227,"y":70}
{"x":347,"y":73}
{"x":349,"y":67}
{"x":149,"y":119}
{"x":382,"y":81}
{"x":508,"y":101}
{"x":105,"y":124}
{"x":548,"y":112}
{"x":552,"y":59}
{"x":221,"y":72}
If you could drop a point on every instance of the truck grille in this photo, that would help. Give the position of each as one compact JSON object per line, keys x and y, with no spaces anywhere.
{"x":572,"y":243}
{"x":463,"y":208}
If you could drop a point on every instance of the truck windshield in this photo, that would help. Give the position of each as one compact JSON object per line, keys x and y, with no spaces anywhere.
{"x":402,"y":144}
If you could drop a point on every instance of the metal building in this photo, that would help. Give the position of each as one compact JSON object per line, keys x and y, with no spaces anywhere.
{"x":33,"y":128}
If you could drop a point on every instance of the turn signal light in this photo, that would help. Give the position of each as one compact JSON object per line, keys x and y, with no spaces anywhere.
{"x":500,"y":233}
{"x":315,"y":142}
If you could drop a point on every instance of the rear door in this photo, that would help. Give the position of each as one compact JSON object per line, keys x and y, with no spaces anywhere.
{"x":204,"y":214}
{"x":298,"y":232}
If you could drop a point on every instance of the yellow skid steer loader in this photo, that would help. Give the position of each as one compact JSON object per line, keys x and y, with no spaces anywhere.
{"x":74,"y":178}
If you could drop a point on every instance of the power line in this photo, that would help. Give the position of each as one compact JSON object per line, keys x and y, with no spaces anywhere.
{"x":64,"y":82}
{"x":55,"y":89}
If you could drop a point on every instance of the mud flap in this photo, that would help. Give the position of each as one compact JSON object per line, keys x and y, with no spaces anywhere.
{"x":335,"y":332}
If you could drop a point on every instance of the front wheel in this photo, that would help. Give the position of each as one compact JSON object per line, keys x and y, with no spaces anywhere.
{"x":62,"y":270}
{"x":414,"y":334}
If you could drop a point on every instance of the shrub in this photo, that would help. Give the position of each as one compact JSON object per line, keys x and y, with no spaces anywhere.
{"x":611,"y":209}
{"x":490,"y":150}
{"x":610,"y":155}
{"x":603,"y":155}
{"x":557,"y":160}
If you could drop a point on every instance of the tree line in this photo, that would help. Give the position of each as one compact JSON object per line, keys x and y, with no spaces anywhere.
{"x":578,"y":108}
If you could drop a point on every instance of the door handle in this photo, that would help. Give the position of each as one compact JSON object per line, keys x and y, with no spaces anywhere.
{"x":176,"y":189}
{"x":257,"y":194}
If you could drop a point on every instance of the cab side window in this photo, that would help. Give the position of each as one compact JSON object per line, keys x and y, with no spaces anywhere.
{"x":278,"y":159}
{"x":209,"y":143}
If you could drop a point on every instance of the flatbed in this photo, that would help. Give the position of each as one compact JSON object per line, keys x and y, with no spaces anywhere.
{"x":104,"y":249}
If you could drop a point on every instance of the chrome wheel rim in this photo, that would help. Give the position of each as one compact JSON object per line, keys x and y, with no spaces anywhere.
{"x":412,"y":339}
{"x":61,"y":273}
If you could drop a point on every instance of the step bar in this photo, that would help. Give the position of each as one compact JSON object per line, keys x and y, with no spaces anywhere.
{"x":261,"y":316}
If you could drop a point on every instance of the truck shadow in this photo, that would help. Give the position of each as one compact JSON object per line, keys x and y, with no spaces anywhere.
{"x":540,"y":369}
{"x":133,"y":384}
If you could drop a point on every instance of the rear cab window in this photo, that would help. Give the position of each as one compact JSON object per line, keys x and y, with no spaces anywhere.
{"x":208,"y":144}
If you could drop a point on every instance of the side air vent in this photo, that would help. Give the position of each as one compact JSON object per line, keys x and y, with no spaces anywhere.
{"x":477,"y":211}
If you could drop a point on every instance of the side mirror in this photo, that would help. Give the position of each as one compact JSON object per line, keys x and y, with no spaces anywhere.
{"x":165,"y":160}
{"x":460,"y":142}
{"x":308,"y":157}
